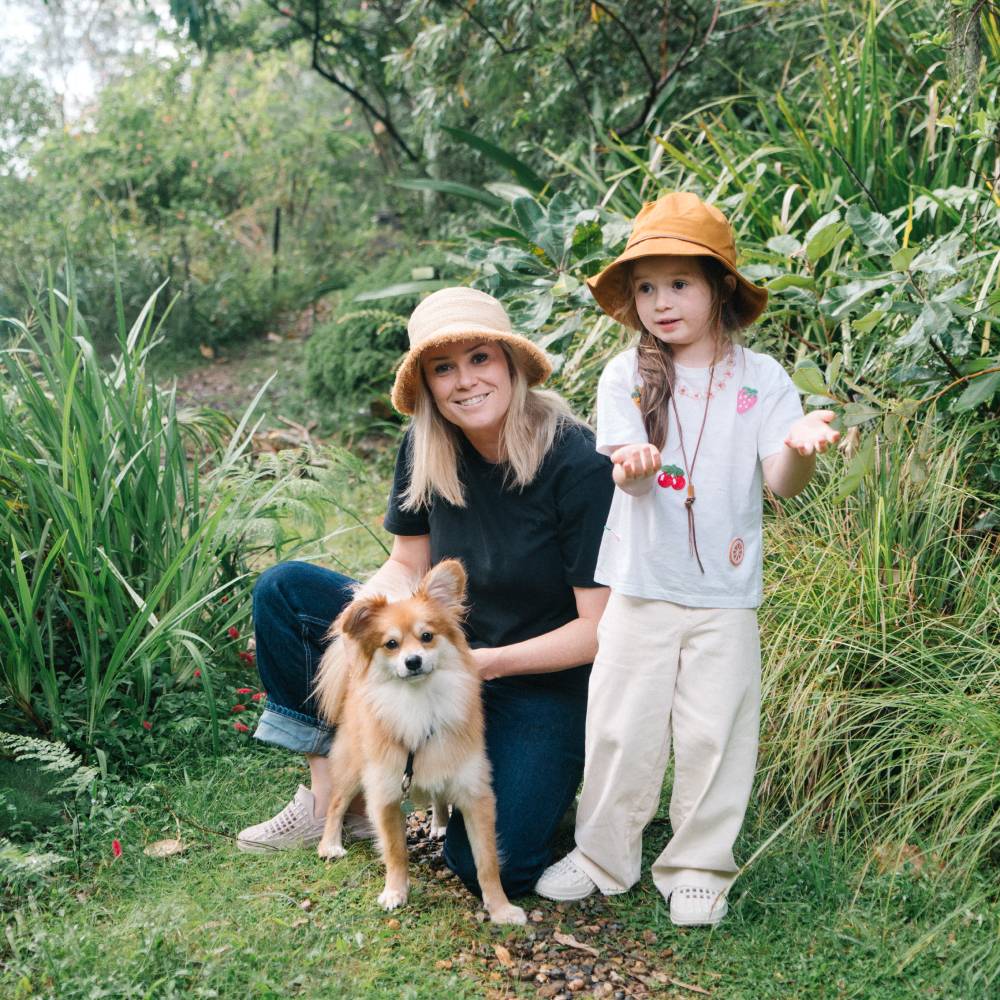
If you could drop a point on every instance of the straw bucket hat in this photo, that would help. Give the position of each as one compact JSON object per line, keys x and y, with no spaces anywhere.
{"x":679,"y":224}
{"x":453,"y":314}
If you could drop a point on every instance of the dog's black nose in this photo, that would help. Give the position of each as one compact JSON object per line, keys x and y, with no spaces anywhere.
{"x":414,"y":662}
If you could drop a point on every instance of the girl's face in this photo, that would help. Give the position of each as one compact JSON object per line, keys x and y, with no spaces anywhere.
{"x":471,"y":385}
{"x":674,"y":301}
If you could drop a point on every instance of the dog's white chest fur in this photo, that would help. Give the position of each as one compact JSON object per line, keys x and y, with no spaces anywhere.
{"x":413,"y":710}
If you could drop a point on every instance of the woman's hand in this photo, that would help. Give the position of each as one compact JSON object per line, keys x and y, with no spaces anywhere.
{"x":812,"y":434}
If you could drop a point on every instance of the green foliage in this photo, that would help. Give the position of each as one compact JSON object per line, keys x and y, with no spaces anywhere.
{"x":117,"y":547}
{"x":183,"y":171}
{"x":350,"y":362}
{"x":882,"y":684}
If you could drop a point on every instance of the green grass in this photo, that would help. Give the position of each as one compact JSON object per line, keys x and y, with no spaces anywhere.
{"x":806,"y":920}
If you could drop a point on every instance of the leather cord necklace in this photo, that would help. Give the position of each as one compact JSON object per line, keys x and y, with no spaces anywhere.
{"x":689,"y":502}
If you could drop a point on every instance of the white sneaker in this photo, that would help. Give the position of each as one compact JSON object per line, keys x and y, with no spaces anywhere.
{"x":565,"y":882}
{"x":297,"y":826}
{"x":692,"y":906}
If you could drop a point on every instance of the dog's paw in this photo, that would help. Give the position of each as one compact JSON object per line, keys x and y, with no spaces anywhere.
{"x":509,"y":914}
{"x":331,"y":851}
{"x":438,"y":832}
{"x":389,"y":899}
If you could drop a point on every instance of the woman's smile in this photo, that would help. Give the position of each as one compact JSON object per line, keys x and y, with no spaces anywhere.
{"x":471,"y":385}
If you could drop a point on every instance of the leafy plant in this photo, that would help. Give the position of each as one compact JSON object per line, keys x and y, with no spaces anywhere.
{"x":118,"y":549}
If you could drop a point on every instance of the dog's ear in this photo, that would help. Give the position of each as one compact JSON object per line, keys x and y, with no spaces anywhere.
{"x":357,"y":616}
{"x":445,"y":583}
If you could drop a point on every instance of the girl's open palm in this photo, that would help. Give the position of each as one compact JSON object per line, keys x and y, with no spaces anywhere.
{"x":812,"y":433}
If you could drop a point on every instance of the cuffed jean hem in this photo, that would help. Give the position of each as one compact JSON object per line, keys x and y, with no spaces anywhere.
{"x":293,"y":732}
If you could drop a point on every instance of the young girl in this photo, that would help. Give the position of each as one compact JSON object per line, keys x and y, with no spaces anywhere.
{"x":693,"y":424}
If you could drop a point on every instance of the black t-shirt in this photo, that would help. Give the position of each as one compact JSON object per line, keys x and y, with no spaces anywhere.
{"x":524,"y":550}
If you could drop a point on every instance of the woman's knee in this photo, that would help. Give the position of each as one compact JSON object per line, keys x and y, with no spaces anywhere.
{"x":300,"y":588}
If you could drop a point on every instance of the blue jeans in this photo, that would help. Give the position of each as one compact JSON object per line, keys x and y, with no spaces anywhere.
{"x":534,"y":733}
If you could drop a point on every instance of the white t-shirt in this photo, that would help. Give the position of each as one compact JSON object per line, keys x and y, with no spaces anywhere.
{"x":645,"y":550}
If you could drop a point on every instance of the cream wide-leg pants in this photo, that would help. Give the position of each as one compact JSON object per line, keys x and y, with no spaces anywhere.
{"x":663,"y":669}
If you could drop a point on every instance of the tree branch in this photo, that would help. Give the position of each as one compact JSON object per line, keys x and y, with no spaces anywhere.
{"x":657,"y":88}
{"x":315,"y":33}
{"x":487,"y":30}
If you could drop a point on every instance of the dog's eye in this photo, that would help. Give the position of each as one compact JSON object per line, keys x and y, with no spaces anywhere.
{"x":392,"y":644}
{"x":426,"y":637}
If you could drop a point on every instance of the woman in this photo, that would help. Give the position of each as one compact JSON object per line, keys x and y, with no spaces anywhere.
{"x":501,"y":475}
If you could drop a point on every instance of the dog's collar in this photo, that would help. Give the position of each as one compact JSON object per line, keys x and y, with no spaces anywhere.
{"x":408,"y":771}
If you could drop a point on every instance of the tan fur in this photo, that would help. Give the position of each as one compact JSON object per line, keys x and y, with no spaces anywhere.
{"x":438,"y":714}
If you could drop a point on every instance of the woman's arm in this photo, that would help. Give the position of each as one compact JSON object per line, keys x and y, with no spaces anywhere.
{"x":398,"y":576}
{"x":570,"y":645}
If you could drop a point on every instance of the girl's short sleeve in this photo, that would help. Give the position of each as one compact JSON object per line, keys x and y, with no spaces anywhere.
{"x":619,"y":419}
{"x":398,"y":521}
{"x":781,"y":407}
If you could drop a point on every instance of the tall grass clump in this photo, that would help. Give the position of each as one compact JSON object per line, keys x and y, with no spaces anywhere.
{"x":121,"y":528}
{"x":882,"y":659}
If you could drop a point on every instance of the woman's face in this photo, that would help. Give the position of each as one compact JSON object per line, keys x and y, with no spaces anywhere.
{"x":471,"y":385}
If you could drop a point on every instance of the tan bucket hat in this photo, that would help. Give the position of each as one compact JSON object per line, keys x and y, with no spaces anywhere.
{"x":452,"y":314}
{"x":680,"y":224}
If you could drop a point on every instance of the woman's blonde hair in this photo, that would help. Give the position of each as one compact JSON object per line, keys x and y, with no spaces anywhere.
{"x":534,"y":419}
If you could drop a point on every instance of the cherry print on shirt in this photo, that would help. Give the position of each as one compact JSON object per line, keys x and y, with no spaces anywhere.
{"x":746,"y":399}
{"x":736,"y":551}
{"x":672,"y":476}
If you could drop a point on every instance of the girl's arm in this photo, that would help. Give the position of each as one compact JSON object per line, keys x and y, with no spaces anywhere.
{"x":787,"y":472}
{"x":570,"y":645}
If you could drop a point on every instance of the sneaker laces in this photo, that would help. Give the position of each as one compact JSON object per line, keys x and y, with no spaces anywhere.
{"x":566,"y":866}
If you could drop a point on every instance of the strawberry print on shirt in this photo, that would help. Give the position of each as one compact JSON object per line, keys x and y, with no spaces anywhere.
{"x":746,"y":399}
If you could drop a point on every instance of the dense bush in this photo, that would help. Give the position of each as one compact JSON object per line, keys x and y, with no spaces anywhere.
{"x":125,"y":527}
{"x":350,"y":362}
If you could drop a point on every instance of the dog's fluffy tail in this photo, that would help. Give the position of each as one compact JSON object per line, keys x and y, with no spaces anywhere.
{"x":334,"y":676}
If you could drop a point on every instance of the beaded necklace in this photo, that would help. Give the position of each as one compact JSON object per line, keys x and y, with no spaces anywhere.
{"x":715,"y":385}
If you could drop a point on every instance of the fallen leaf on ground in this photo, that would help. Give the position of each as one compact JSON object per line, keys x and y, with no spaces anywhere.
{"x":164,"y":848}
{"x":504,"y":955}
{"x":571,"y":942}
{"x":688,"y":986}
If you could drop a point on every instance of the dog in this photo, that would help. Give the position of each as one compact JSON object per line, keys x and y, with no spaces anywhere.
{"x":401,"y":685}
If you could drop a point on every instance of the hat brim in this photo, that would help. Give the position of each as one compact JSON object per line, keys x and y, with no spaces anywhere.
{"x":611,"y":286}
{"x":532,"y":360}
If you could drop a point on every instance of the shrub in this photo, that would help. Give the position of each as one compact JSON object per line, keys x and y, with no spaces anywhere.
{"x":350,"y":363}
{"x":117,"y":549}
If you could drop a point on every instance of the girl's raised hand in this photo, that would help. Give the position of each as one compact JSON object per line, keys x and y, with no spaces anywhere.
{"x":635,"y":461}
{"x":812,"y":433}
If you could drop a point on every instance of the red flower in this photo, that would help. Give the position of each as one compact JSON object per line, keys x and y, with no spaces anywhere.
{"x":244,"y":690}
{"x":233,"y":632}
{"x":241,"y":727}
{"x":238,"y":708}
{"x":258,"y":696}
{"x":116,"y":847}
{"x":247,"y":657}
{"x":146,"y":724}
{"x":197,"y":672}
